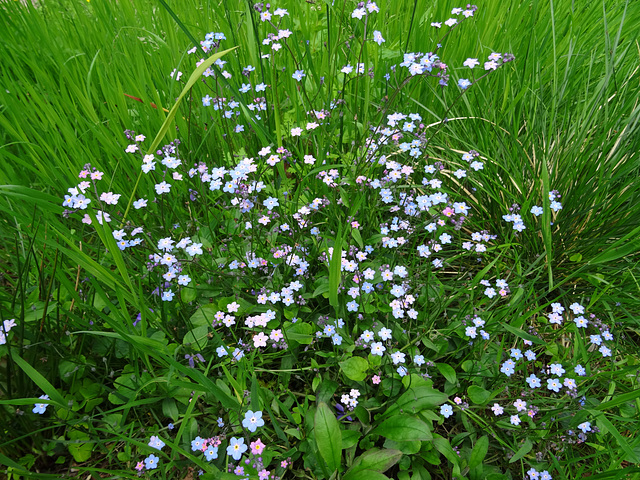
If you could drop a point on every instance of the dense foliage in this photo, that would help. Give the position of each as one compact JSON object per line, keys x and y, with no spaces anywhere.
{"x":321,"y":240}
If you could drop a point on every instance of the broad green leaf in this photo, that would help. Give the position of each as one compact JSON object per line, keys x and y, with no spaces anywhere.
{"x":196,"y":339}
{"x":205,"y":315}
{"x":447,"y":372}
{"x":478,"y":394}
{"x":365,"y":475}
{"x":376,"y":460}
{"x":415,"y":400}
{"x":328,"y":437}
{"x":479,"y":452}
{"x":403,"y":428}
{"x":522,"y":451}
{"x":299,"y":332}
{"x":350,"y":438}
{"x":444,"y":447}
{"x":355,"y":368}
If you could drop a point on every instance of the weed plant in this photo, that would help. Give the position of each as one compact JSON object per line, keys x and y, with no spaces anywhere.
{"x":322,"y":240}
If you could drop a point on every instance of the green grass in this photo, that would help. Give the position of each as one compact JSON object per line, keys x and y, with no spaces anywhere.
{"x":563,"y":116}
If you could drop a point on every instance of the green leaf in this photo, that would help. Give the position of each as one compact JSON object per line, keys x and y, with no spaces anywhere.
{"x":479,"y":452}
{"x":335,"y":264}
{"x":328,"y":437}
{"x":365,"y":475}
{"x":204,"y":315}
{"x":478,"y":394}
{"x":376,"y":460}
{"x":355,"y":368}
{"x":447,"y":372}
{"x":299,"y":332}
{"x":522,"y":334}
{"x":81,"y":452}
{"x":404,"y":428}
{"x":522,"y":451}
{"x":196,"y":338}
{"x":416,"y":399}
{"x":444,"y":447}
{"x":350,"y":438}
{"x":40,"y":381}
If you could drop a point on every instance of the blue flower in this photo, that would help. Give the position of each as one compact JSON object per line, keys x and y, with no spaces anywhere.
{"x":446,"y":411}
{"x":236,"y":447}
{"x":151,"y":462}
{"x":252,"y":420}
{"x":40,"y":408}
{"x":463,"y":83}
{"x":196,"y":444}
{"x":211,"y":453}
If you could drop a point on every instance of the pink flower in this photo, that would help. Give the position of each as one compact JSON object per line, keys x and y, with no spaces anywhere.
{"x":257,"y":447}
{"x":376,"y":379}
{"x":263,"y":474}
{"x":139,"y":466}
{"x":448,"y":211}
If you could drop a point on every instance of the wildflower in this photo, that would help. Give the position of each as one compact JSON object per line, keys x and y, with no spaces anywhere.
{"x":464,"y":83}
{"x":196,"y":444}
{"x":375,"y":380}
{"x":252,"y":420}
{"x":446,"y":411}
{"x":377,"y":348}
{"x":576,"y":308}
{"x":585,"y":427}
{"x":497,"y":409}
{"x":139,"y":466}
{"x":515,"y":420}
{"x":211,"y":453}
{"x":508,"y":368}
{"x":580,"y":370}
{"x":151,"y":462}
{"x":471,"y":62}
{"x":385,"y":333}
{"x":397,"y":357}
{"x":298,"y":75}
{"x":167,"y":296}
{"x":40,"y":408}
{"x":556,"y":369}
{"x":140,"y":203}
{"x":581,"y":322}
{"x":533,"y":381}
{"x":377,"y":37}
{"x":257,"y":447}
{"x":537,"y":211}
{"x":605,"y":351}
{"x":358,"y":13}
{"x":155,"y":442}
{"x":520,"y":405}
{"x":236,"y":448}
{"x":162,"y":187}
{"x":553,"y":384}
